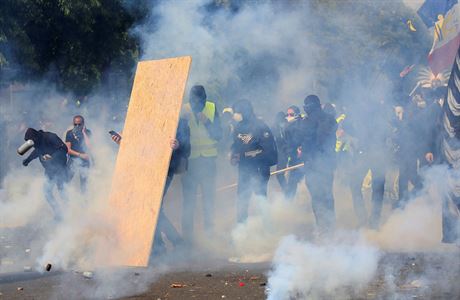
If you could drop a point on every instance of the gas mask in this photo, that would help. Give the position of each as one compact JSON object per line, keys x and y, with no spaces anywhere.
{"x":399,"y":112}
{"x":237,"y":117}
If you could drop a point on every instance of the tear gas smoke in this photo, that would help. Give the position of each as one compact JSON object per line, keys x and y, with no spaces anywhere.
{"x":303,"y":270}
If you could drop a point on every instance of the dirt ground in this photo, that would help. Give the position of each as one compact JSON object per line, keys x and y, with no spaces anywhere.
{"x":400,"y":276}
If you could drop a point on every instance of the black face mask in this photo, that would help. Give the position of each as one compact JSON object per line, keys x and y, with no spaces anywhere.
{"x":77,"y":131}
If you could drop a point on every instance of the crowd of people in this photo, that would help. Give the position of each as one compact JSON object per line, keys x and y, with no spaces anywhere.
{"x":320,"y":144}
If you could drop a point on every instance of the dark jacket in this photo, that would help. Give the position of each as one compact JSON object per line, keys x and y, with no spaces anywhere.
{"x":317,"y":138}
{"x":293,"y":138}
{"x":179,"y":158}
{"x":48,"y":143}
{"x":254,"y":143}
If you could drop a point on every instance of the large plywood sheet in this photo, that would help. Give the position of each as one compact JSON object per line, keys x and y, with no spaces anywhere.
{"x":144,"y":155}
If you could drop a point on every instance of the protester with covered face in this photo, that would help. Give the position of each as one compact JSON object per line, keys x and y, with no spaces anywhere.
{"x":205,"y":132}
{"x":278,"y":131}
{"x":254,"y":151}
{"x":317,"y":145}
{"x":52,"y":153}
{"x":77,"y":141}
{"x":294,"y":120}
{"x":177,"y":165}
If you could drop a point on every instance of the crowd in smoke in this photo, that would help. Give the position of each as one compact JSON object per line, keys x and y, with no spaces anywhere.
{"x":263,"y":53}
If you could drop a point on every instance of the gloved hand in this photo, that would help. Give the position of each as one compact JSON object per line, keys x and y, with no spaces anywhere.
{"x":25,"y":162}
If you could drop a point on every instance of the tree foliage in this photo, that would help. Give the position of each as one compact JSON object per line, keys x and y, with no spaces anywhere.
{"x":72,"y":41}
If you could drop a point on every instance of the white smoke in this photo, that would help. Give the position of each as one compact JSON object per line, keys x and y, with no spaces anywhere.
{"x":303,"y":270}
{"x":256,"y":239}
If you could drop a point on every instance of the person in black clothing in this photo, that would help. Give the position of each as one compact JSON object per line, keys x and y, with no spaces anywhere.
{"x":77,"y":141}
{"x":294,"y":120}
{"x":178,"y":164}
{"x":317,"y":142}
{"x":52,"y":153}
{"x":278,"y":133}
{"x":254,"y":151}
{"x":409,"y":127}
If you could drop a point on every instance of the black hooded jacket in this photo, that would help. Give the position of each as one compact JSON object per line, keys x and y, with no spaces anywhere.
{"x":317,"y":137}
{"x":254,"y":143}
{"x":47,"y":143}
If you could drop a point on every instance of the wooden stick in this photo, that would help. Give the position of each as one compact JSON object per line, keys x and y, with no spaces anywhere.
{"x":234,"y":185}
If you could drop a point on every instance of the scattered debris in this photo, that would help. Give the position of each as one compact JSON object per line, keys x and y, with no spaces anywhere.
{"x":241,"y":283}
{"x":177,"y":285}
{"x":88,"y":274}
{"x":226,"y":283}
{"x":223,"y":296}
{"x":208,"y":275}
{"x":20,"y":288}
{"x":48,"y":267}
{"x":27,"y":269}
{"x":27,"y":250}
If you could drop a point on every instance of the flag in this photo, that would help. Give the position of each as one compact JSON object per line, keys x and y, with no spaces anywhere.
{"x":450,"y":150}
{"x":444,"y":17}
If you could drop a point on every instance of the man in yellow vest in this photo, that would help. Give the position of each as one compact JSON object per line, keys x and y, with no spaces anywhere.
{"x":205,"y":132}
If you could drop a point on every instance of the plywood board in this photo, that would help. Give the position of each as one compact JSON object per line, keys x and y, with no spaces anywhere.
{"x":144,"y":155}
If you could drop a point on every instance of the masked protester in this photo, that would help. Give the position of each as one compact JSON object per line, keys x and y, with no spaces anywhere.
{"x":254,"y":151}
{"x":52,"y":153}
{"x":177,"y":165}
{"x":317,"y":145}
{"x":205,"y":132}
{"x":278,"y":130}
{"x":294,"y":121}
{"x":77,"y":141}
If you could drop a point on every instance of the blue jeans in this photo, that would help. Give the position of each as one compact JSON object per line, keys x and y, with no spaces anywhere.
{"x":49,"y":196}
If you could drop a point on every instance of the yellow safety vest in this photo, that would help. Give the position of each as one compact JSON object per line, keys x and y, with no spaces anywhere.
{"x":339,"y":144}
{"x":201,"y":143}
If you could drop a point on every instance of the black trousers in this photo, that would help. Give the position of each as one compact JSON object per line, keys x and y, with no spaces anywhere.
{"x":165,"y":225}
{"x":407,"y":173}
{"x":252,"y":179}
{"x":319,"y":179}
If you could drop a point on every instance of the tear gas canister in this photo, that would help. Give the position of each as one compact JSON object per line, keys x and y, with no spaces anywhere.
{"x":25,"y":147}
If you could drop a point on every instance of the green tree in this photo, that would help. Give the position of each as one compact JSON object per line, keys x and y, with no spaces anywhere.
{"x":73,"y":41}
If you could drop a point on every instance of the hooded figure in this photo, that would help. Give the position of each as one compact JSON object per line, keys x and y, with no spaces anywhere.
{"x":197,"y":98}
{"x":254,"y":151}
{"x":317,"y":140}
{"x":52,"y":153}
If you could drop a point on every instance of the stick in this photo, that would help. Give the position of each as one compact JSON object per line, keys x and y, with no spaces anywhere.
{"x":234,"y":185}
